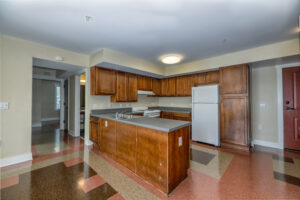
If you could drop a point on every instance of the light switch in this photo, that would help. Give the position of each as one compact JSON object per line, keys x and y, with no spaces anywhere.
{"x":3,"y":105}
{"x":105,"y":123}
{"x":260,"y":127}
{"x":180,"y":141}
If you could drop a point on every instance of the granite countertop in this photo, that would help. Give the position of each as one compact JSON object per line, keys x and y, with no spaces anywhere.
{"x":160,"y":124}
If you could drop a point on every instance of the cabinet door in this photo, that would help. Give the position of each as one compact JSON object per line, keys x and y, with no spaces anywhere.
{"x":234,"y":120}
{"x":151,"y":158}
{"x":131,"y":88}
{"x":171,"y":87}
{"x":121,"y":92}
{"x":189,"y":83}
{"x":182,"y":116}
{"x":234,"y":80}
{"x":199,"y":79}
{"x":164,"y":87}
{"x":108,"y":137}
{"x":126,"y":145}
{"x":180,"y":86}
{"x":147,"y":83}
{"x":167,"y":115}
{"x":103,"y":81}
{"x":212,"y":77}
{"x":140,"y":83}
{"x":93,"y":132}
{"x":156,"y":87}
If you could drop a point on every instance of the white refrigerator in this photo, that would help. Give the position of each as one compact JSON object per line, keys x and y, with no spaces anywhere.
{"x":205,"y":114}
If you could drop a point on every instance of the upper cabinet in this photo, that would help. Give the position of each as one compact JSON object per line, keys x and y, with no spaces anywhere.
{"x":156,"y":86}
{"x":102,"y":81}
{"x":199,"y":79}
{"x":126,"y":90}
{"x":132,"y":88}
{"x":168,"y":87}
{"x":212,"y":77}
{"x":184,"y":85}
{"x":234,"y":80}
{"x":144,"y":83}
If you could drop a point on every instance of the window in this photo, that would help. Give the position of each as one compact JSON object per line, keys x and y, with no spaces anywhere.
{"x":57,"y":96}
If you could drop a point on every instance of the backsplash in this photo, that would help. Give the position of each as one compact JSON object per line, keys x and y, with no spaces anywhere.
{"x":185,"y":102}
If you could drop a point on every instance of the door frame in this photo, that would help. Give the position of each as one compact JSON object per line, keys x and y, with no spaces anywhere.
{"x":280,"y":117}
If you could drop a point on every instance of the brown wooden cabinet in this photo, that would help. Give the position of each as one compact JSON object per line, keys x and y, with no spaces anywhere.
{"x":168,"y":87}
{"x":126,"y":88}
{"x":108,"y":137}
{"x":234,"y":80}
{"x":102,"y":81}
{"x":151,"y":158}
{"x":94,"y":129}
{"x":126,"y":145}
{"x":199,"y":79}
{"x":184,"y":85}
{"x":176,"y":116}
{"x":144,"y":83}
{"x":212,"y":77}
{"x":156,"y":86}
{"x":132,"y":88}
{"x":234,"y":107}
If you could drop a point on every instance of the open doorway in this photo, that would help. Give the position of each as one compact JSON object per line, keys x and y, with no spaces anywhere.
{"x":55,"y":92}
{"x":82,"y":105}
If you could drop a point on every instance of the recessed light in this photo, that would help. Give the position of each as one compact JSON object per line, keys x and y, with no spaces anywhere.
{"x":171,"y":59}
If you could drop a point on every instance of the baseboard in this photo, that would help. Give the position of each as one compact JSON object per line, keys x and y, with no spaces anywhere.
{"x":71,"y":132}
{"x":50,"y":119}
{"x":15,"y":159}
{"x":37,"y":125}
{"x":88,"y":142}
{"x":266,"y":144}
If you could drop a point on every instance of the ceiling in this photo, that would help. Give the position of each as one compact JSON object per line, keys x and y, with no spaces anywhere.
{"x":150,"y":28}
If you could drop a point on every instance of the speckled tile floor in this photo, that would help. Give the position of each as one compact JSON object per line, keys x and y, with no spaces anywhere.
{"x":81,"y":172}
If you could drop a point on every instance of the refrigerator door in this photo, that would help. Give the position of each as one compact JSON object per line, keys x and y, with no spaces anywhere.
{"x":205,"y":123}
{"x":205,"y":94}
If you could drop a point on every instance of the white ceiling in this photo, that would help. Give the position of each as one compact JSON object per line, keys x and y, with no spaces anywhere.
{"x":148,"y":29}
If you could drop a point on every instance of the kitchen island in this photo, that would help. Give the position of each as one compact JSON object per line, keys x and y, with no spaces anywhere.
{"x":155,"y":149}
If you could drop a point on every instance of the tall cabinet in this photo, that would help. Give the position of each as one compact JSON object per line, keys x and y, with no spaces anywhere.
{"x":234,"y":107}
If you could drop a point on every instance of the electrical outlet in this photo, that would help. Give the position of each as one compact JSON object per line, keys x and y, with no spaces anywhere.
{"x":180,"y":141}
{"x":94,"y":106}
{"x":262,"y":106}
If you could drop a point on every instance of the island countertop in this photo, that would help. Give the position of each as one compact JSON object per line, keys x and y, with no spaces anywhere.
{"x":160,"y":124}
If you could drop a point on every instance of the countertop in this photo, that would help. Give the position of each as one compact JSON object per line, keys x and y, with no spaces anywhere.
{"x":160,"y":124}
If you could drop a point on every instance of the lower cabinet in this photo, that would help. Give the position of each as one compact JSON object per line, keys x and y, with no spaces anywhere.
{"x":151,"y":159}
{"x":176,"y":116}
{"x":94,"y":129}
{"x":234,"y":122}
{"x":153,"y":155}
{"x":126,"y":145}
{"x":108,"y":137}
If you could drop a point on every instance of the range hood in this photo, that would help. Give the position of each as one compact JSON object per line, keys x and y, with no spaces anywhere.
{"x":143,"y":92}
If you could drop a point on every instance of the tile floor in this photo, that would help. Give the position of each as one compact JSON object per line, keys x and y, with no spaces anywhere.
{"x":64,"y":168}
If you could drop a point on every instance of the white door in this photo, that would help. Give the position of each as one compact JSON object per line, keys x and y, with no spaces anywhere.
{"x":205,"y":121}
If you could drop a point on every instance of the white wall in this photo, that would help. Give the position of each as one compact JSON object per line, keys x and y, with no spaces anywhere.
{"x":264,"y":92}
{"x":16,"y":88}
{"x":185,"y":102}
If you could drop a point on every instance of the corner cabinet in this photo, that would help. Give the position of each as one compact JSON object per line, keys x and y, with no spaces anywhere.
{"x":234,"y":107}
{"x":103,"y":81}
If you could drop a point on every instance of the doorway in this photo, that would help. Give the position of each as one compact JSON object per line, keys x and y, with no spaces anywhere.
{"x":291,"y":107}
{"x":82,"y":105}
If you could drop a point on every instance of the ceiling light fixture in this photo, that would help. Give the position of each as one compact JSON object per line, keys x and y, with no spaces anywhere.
{"x":171,"y":59}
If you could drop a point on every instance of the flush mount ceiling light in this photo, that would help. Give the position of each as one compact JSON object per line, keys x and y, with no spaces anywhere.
{"x":171,"y":59}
